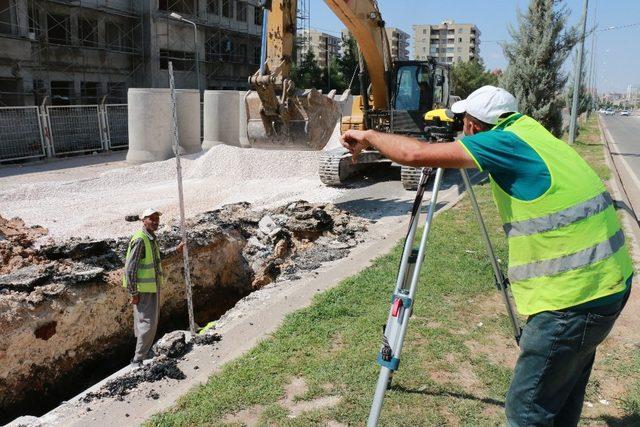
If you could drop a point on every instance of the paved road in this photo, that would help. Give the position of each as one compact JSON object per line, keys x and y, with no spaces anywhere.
{"x":624,"y":138}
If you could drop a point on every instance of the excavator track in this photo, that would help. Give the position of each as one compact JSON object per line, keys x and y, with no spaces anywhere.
{"x":333,"y":170}
{"x":410,"y":177}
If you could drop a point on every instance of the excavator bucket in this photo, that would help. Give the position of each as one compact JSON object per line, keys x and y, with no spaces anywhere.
{"x":303,"y":120}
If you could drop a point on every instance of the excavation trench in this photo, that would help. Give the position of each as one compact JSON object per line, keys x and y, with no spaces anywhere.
{"x":65,"y":322}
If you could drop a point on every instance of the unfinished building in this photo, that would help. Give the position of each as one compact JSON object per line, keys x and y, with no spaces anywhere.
{"x":83,"y":51}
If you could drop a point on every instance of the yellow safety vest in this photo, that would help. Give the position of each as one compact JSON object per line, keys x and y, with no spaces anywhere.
{"x":566,"y":247}
{"x":146,"y":277}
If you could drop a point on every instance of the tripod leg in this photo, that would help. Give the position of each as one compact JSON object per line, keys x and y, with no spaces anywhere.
{"x":501,"y":281}
{"x":402,"y":305}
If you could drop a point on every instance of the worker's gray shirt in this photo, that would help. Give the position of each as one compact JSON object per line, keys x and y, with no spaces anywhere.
{"x":133,"y":260}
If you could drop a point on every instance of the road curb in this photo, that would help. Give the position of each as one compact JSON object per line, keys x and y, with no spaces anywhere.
{"x":629,"y":223}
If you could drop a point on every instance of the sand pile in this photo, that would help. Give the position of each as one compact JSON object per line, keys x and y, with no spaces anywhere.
{"x":96,"y":205}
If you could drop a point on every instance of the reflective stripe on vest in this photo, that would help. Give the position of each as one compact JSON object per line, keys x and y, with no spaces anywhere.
{"x":551,"y":267}
{"x":146,"y":280}
{"x":566,"y":247}
{"x":559,"y":219}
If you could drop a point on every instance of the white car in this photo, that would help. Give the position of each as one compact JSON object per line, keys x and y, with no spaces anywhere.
{"x":624,"y":113}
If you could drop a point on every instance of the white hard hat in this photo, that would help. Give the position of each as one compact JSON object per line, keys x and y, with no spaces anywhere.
{"x":148,"y":212}
{"x":487,"y":104}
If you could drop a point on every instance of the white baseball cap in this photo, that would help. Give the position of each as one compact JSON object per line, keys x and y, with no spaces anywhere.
{"x":487,"y":104}
{"x":148,"y":212}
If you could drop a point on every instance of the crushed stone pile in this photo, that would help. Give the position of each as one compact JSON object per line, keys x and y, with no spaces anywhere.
{"x":95,"y":205}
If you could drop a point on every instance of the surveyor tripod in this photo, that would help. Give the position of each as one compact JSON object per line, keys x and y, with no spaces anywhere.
{"x":402,"y":299}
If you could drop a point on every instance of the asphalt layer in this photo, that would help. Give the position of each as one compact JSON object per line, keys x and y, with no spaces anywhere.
{"x":623,"y":135}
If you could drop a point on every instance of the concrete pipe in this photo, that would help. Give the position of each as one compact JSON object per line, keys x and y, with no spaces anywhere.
{"x":150,"y":124}
{"x":225,"y":118}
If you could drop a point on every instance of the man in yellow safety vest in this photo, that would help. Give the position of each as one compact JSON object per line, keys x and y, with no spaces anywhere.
{"x":569,"y":266}
{"x":143,"y":279}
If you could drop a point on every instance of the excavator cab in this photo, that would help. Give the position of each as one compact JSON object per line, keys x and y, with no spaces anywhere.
{"x":420,"y":86}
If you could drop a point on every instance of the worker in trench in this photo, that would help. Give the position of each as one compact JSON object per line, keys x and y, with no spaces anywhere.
{"x":569,"y":266}
{"x":143,"y":278}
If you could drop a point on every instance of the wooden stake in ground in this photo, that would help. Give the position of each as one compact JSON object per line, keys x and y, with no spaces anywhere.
{"x":183,"y":228}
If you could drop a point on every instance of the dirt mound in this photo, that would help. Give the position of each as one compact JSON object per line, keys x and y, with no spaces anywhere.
{"x":16,"y":244}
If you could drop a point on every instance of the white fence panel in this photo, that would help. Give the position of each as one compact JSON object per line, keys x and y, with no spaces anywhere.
{"x":74,"y":128}
{"x":20,"y":133}
{"x":117,"y":125}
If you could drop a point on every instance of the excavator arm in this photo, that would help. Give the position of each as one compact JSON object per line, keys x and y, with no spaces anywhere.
{"x":279,"y":113}
{"x":363,"y":19}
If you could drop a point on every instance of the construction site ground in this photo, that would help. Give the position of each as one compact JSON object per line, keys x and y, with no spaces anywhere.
{"x":316,"y":366}
{"x":318,"y":369}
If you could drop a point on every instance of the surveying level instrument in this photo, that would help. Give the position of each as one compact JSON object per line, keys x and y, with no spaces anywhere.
{"x":441,"y":126}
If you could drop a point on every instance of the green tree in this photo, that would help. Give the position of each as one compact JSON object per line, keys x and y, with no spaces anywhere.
{"x":308,"y":74}
{"x":469,"y":76}
{"x":540,"y":46}
{"x":348,"y":63}
{"x":337,"y":80}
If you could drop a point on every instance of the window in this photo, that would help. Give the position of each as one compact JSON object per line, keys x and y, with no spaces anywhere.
{"x":117,"y":92}
{"x":61,"y":92}
{"x":7,"y":16}
{"x":433,"y":51}
{"x":181,"y":6}
{"x":451,"y":31}
{"x":112,"y":35}
{"x":424,"y":31}
{"x":257,"y":50}
{"x":242,"y":11}
{"x":227,"y":9}
{"x":460,"y":39}
{"x":88,"y":32}
{"x":213,"y":6}
{"x":449,"y":50}
{"x":34,"y":20}
{"x":182,"y":61}
{"x":257,"y":16}
{"x":59,"y":29}
{"x":89,"y":92}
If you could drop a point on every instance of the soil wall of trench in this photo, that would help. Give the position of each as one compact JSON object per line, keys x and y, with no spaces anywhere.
{"x":65,"y":321}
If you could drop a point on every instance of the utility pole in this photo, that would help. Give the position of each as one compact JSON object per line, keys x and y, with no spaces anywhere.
{"x":577,"y":77}
{"x":326,"y":44}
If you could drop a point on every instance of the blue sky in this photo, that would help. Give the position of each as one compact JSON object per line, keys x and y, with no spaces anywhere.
{"x":617,"y":51}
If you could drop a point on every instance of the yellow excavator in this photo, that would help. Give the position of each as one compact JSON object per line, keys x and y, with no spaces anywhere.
{"x":396,"y":94}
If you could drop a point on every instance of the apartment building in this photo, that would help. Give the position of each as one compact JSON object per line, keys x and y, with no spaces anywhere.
{"x":399,"y":43}
{"x":448,"y":42}
{"x":325,"y":46}
{"x":78,"y":52}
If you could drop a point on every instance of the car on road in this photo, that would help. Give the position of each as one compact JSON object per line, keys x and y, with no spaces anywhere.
{"x":609,"y":112}
{"x":625,"y":113}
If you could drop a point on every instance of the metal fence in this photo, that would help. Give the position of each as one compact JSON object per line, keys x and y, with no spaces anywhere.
{"x":117,"y":125}
{"x":74,"y":129}
{"x":37,"y":132}
{"x":20,"y":133}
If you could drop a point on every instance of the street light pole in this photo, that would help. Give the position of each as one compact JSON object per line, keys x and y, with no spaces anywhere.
{"x":577,"y":77}
{"x":195,"y":41}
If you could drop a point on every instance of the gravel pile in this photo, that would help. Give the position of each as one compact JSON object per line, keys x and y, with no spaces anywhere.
{"x":96,"y":205}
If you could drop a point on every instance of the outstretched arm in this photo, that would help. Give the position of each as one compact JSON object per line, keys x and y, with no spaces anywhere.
{"x":408,"y":151}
